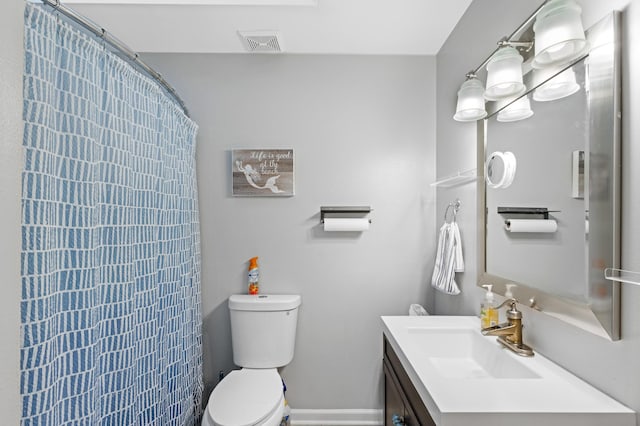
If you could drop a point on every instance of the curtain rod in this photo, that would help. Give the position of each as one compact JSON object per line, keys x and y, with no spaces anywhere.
{"x":118,"y":45}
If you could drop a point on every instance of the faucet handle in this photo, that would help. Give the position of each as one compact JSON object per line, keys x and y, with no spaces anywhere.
{"x":512,"y":301}
{"x":512,"y":312}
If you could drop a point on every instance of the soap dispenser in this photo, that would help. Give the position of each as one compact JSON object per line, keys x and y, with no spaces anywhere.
{"x":488,"y":311}
{"x":508,"y":294}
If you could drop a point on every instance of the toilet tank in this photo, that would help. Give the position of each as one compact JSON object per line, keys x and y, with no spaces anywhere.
{"x":263,"y":329}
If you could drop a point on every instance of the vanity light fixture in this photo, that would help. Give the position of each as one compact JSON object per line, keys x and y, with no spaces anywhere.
{"x":504,"y":74}
{"x":559,"y":34}
{"x":560,"y":39}
{"x":518,"y":110}
{"x":470,"y":105}
{"x":560,"y":86}
{"x":504,"y":80}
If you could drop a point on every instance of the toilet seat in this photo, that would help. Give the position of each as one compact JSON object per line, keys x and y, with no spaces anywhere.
{"x":247,"y":397}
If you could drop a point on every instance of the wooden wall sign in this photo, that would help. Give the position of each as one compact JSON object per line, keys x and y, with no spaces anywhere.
{"x":262,"y":172}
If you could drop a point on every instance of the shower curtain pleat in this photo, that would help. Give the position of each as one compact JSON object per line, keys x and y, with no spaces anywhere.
{"x":111,"y":322}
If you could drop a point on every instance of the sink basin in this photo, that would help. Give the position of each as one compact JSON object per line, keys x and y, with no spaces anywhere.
{"x":465,"y":354}
{"x":466,"y":378}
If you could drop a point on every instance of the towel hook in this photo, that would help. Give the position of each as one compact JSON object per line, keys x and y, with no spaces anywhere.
{"x":455,"y":206}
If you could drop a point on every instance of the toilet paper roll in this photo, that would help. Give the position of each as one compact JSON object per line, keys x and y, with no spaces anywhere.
{"x":346,"y":224}
{"x":531,"y":225}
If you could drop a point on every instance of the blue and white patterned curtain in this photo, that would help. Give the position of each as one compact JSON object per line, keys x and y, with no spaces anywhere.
{"x":111,"y":323}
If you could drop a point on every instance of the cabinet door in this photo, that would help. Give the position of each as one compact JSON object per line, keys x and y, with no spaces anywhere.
{"x":393,"y":404}
{"x":410,"y":419}
{"x":415,"y":412}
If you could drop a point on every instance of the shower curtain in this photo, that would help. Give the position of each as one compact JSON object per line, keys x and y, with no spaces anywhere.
{"x":111,"y":325}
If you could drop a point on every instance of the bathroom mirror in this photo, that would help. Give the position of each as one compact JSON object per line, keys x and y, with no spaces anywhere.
{"x":555,"y":228}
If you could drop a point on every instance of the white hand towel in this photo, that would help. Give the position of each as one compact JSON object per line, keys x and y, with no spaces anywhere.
{"x":443,"y":277}
{"x":459,"y":259}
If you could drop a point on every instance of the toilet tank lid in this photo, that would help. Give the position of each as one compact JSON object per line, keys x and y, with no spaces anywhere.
{"x":264,"y":302}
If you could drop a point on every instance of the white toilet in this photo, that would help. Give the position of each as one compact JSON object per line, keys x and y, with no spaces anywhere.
{"x":263,"y":333}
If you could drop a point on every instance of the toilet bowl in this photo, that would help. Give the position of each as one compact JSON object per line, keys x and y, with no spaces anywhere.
{"x":247,"y":397}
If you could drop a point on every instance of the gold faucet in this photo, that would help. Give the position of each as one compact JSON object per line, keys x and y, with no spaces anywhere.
{"x":510,"y":332}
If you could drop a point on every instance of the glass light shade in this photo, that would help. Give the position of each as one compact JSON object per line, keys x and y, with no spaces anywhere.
{"x":504,"y":74}
{"x":560,"y":86}
{"x":559,"y":34}
{"x":470,"y":101}
{"x":518,"y":110}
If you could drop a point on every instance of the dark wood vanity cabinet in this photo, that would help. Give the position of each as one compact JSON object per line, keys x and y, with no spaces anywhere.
{"x":400,"y":396}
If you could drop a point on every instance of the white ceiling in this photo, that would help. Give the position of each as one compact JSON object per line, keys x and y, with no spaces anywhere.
{"x":369,"y":27}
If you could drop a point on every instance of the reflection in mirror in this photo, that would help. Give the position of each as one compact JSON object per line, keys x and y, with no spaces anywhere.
{"x":519,"y":110}
{"x":543,"y":145}
{"x":500,"y":169}
{"x":558,"y":226}
{"x":560,"y":86}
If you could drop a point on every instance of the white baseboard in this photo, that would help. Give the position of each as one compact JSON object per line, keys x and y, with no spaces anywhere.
{"x":306,"y":417}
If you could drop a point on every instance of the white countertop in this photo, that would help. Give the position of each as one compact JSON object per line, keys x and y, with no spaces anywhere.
{"x":545,"y":392}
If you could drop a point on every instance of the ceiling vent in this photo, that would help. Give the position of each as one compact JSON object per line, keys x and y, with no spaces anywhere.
{"x":261,"y":41}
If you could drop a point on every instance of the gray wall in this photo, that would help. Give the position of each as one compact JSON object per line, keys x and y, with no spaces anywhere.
{"x":362,"y":130}
{"x":610,"y":366}
{"x":11,"y":60}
